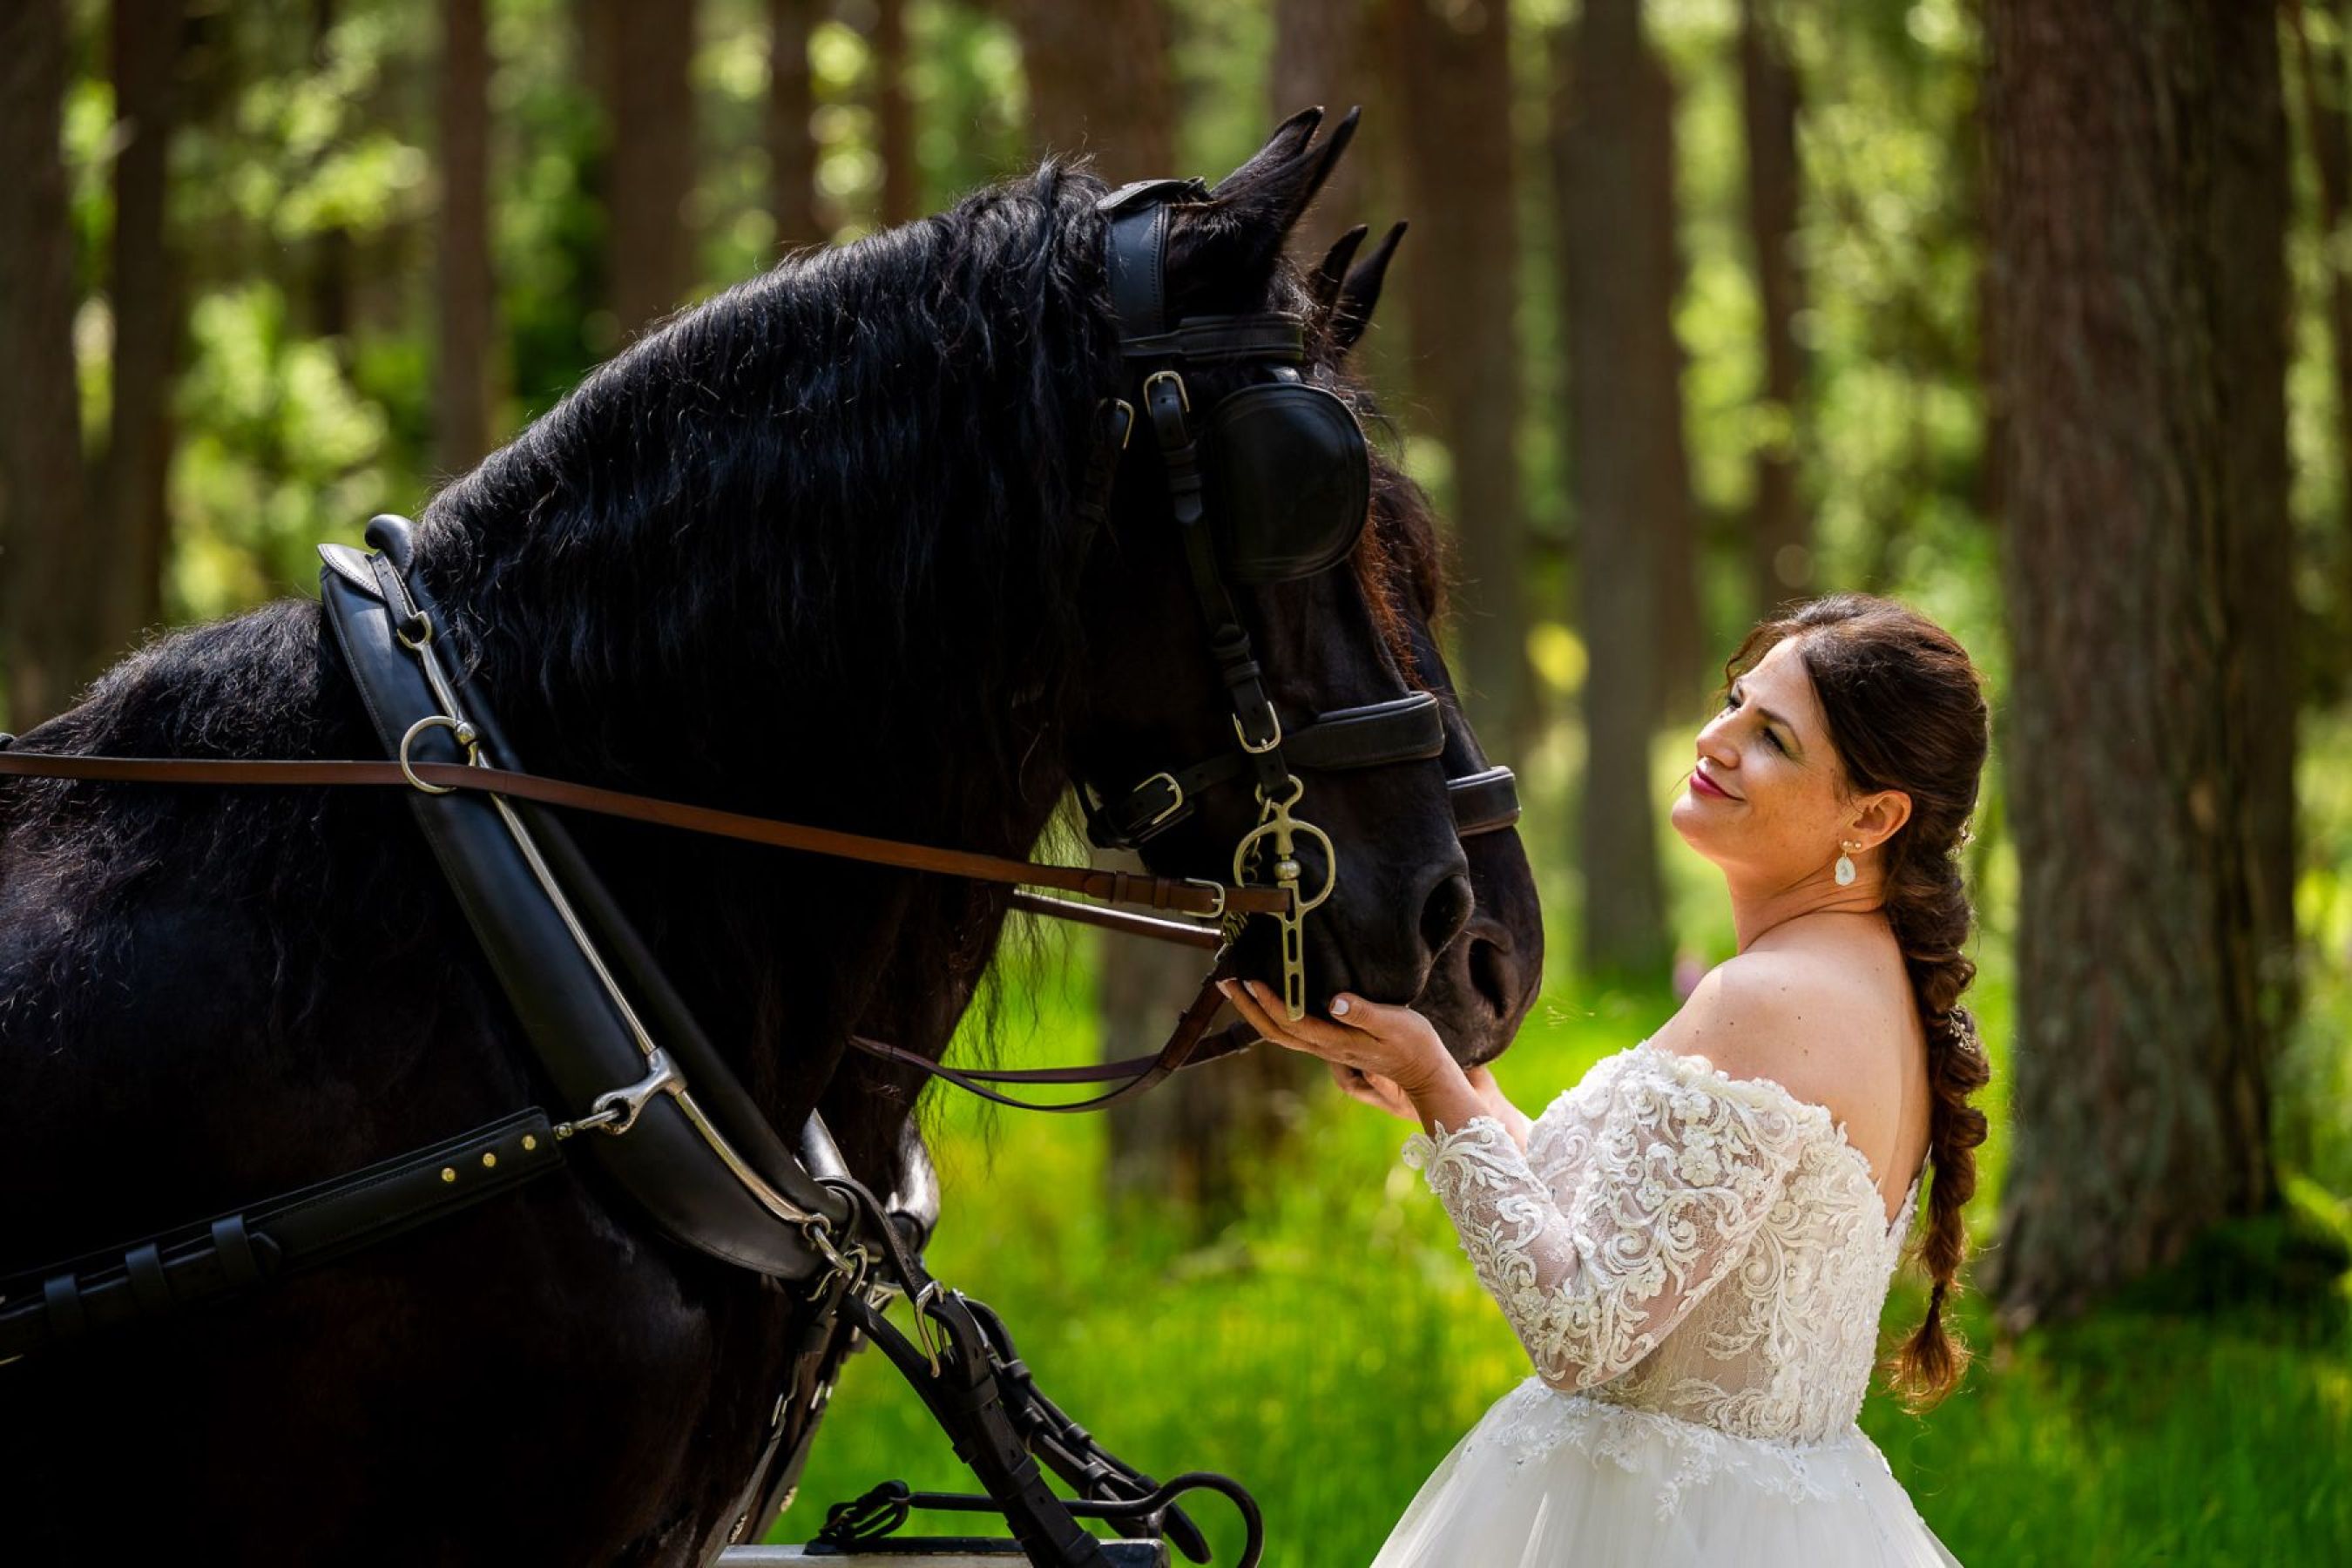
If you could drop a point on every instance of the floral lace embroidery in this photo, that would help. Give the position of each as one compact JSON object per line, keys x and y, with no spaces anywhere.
{"x":1662,"y":1179}
{"x":1683,"y":1177}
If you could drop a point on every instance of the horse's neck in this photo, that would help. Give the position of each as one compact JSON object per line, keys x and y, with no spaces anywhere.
{"x":779,"y":955}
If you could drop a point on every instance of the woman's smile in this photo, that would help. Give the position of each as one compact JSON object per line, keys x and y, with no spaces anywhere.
{"x":1702,"y":785}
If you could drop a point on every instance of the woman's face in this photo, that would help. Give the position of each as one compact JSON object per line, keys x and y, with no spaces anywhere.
{"x":1781,"y":815}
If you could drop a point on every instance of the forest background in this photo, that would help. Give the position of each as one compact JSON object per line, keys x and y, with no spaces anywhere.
{"x":2036,"y":314}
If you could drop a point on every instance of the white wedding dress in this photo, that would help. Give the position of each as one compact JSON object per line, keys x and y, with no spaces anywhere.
{"x":1697,"y":1264}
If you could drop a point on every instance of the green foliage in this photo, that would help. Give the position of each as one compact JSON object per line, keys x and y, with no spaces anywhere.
{"x":279,"y":452}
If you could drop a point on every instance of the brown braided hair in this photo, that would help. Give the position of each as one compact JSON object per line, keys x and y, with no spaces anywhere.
{"x":1906,"y":710}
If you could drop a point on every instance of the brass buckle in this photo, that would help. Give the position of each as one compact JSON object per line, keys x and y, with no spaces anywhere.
{"x":1216,"y":889}
{"x":1242,"y":735}
{"x":1173,"y":806}
{"x":1183,"y":396}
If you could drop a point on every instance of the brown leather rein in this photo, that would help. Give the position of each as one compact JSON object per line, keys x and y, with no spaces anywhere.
{"x":1186,"y":895}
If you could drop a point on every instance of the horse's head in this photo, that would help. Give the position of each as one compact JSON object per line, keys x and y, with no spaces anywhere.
{"x":1488,"y":977}
{"x":1237,"y":512}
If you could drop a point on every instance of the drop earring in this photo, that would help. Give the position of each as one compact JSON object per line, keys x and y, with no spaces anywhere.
{"x":1845,"y":864}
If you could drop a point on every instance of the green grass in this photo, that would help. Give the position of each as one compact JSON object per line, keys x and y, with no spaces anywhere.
{"x":1330,"y":1347}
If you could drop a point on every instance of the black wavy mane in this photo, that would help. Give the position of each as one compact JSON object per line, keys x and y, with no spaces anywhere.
{"x":895,"y":424}
{"x":650,"y":583}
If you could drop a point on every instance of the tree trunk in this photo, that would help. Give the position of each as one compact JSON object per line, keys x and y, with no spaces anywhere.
{"x":893,"y":113}
{"x":791,"y":135}
{"x":648,"y":52}
{"x":1322,"y":55}
{"x":144,"y":291}
{"x":1622,"y":393}
{"x":1100,"y":82}
{"x":2139,"y":204}
{"x":1453,"y":62}
{"x":462,"y":428}
{"x":2328,"y":119}
{"x":1666,"y":507}
{"x":1779,"y":534}
{"x":44,"y":619}
{"x":326,"y":286}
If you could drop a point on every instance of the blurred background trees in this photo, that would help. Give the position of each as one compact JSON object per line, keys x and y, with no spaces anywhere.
{"x":2035,"y":313}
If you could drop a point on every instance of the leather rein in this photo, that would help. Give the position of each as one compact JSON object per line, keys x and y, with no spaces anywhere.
{"x":1474,"y":814}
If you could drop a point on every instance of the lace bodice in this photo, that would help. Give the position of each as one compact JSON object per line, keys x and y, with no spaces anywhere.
{"x":1679,"y":1241}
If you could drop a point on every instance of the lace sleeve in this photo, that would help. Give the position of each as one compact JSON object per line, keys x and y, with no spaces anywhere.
{"x":1684,"y":1167}
{"x":1560,"y":1143}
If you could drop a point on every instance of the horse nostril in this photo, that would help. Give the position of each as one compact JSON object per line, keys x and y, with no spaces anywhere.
{"x":1491,"y":977}
{"x":1446,"y":911}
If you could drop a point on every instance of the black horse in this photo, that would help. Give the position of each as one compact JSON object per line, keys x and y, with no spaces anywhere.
{"x":810,"y":551}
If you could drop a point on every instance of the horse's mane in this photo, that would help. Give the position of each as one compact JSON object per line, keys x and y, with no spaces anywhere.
{"x":895,"y":425}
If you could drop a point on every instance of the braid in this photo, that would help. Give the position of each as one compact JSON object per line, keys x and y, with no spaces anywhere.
{"x":1928,"y":907}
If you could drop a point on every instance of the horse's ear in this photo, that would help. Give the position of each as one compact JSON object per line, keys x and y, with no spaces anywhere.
{"x":1227,"y":245}
{"x":1324,"y":284}
{"x":1351,"y":313}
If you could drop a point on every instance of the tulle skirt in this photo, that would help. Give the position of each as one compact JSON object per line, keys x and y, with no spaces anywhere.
{"x":1548,"y":1478}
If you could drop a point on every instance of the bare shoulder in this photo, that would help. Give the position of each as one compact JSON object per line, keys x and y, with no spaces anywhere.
{"x":1790,"y":1017}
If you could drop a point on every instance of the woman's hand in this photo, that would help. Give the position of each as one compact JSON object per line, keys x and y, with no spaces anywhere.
{"x":1373,"y":1090}
{"x":1374,"y":1039}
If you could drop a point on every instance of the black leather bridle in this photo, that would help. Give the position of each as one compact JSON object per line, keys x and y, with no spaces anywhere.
{"x":1288,"y":469}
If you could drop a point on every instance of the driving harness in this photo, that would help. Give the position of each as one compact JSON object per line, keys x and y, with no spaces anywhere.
{"x":1284,"y":466}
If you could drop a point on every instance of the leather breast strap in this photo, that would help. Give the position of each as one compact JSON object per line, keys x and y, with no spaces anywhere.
{"x":693,"y":1152}
{"x":211,"y":1260}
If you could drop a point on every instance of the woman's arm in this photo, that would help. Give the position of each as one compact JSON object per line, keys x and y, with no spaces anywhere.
{"x":1499,"y":1105}
{"x":1384,"y":1092}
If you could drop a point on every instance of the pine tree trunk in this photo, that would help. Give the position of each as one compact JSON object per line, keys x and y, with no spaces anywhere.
{"x":325,"y":288}
{"x":1667,"y":508}
{"x":1462,"y":288}
{"x":651,"y":170}
{"x":462,"y":429}
{"x":792,"y":136}
{"x":1622,"y":395}
{"x":2138,"y":211}
{"x":1779,"y":534}
{"x":893,"y":113}
{"x":45,"y":616}
{"x":144,"y":291}
{"x":1322,"y":56}
{"x":1100,"y":82}
{"x":2327,"y":94}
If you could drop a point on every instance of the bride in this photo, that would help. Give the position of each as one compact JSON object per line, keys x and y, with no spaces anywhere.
{"x":1695,"y":1243}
